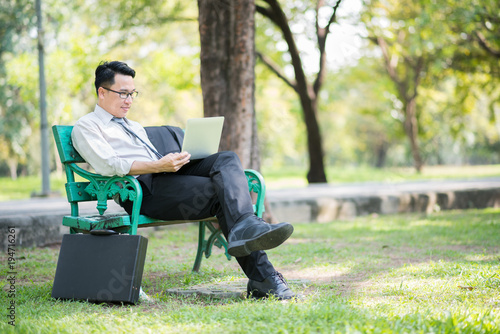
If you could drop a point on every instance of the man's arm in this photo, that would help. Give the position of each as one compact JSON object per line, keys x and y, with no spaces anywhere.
{"x":170,"y":163}
{"x":89,"y":142}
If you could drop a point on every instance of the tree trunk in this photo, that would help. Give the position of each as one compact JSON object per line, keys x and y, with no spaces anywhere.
{"x":227,"y":30}
{"x":12,"y":163}
{"x":381,"y":154}
{"x":227,"y":38}
{"x":316,"y":172}
{"x":411,"y":129}
{"x":407,"y":95}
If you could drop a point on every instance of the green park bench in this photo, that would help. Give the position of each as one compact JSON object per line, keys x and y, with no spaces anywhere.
{"x":100,"y":188}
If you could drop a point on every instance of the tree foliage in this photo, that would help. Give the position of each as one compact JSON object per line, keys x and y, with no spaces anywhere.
{"x":16,"y":19}
{"x":443,"y":54}
{"x":422,"y":44}
{"x":77,"y":37}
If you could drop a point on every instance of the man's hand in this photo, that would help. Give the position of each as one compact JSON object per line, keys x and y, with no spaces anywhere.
{"x":170,"y":163}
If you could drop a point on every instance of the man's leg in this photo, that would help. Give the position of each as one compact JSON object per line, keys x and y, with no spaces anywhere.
{"x":187,"y":197}
{"x":176,"y":197}
{"x":247,"y":232}
{"x":230,"y":183}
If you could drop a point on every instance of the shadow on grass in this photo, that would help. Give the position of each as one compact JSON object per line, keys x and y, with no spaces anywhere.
{"x":351,"y":254}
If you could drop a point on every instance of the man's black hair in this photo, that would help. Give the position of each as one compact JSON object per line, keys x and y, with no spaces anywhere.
{"x":106,"y":71}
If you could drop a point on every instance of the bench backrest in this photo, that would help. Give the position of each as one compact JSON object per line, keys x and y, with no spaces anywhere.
{"x":77,"y":191}
{"x":62,"y":136}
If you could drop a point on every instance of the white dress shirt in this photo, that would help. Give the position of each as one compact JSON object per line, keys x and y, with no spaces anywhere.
{"x":106,"y":146}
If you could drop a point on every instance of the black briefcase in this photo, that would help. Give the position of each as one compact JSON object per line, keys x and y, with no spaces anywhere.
{"x":100,"y":268}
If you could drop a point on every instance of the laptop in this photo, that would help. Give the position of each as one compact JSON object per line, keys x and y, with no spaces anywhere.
{"x":202,"y":136}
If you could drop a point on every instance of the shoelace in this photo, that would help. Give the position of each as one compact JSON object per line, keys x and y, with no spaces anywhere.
{"x":261,"y":220}
{"x":280,"y":278}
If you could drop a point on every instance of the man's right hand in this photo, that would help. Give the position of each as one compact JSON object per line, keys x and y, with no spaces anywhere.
{"x":170,"y":163}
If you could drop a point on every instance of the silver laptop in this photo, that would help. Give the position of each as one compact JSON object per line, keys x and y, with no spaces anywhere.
{"x":202,"y":136}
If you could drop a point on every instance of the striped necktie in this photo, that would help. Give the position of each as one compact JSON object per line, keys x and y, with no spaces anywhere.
{"x":124,"y":125}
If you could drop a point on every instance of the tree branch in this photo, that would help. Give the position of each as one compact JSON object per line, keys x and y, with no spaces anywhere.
{"x":416,"y":80}
{"x":486,"y":45}
{"x":322,"y":34}
{"x":276,"y":70}
{"x":266,"y":12}
{"x":387,"y":58}
{"x":333,"y":18}
{"x":280,"y":20}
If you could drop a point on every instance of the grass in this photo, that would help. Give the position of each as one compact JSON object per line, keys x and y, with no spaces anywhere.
{"x":293,"y":176}
{"x":23,"y":187}
{"x":286,"y":177}
{"x":437,"y":273}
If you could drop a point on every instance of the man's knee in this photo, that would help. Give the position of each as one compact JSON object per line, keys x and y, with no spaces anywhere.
{"x":229,"y":157}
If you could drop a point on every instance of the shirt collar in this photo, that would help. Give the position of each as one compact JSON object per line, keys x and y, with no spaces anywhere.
{"x":103,"y":115}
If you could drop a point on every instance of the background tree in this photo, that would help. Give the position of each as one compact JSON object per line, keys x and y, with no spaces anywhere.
{"x":481,"y":21}
{"x":360,"y":113}
{"x":366,"y":117}
{"x":307,"y":92}
{"x":16,"y":18}
{"x":410,"y":41}
{"x":227,"y":56}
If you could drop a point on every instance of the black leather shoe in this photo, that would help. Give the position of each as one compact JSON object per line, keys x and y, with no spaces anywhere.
{"x":274,"y":285}
{"x":253,"y":233}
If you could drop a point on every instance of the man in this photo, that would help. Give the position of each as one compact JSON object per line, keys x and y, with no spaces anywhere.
{"x":175,"y":187}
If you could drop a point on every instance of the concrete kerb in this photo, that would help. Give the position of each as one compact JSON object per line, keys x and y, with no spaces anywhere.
{"x":326,"y":203}
{"x":33,"y":230}
{"x":38,"y":222}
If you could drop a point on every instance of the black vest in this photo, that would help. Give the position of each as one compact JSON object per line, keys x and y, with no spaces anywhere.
{"x":166,"y":139}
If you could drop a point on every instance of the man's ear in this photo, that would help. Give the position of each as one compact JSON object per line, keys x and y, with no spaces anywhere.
{"x":100,"y":92}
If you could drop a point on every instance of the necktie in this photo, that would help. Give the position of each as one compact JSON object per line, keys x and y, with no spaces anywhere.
{"x":124,"y":125}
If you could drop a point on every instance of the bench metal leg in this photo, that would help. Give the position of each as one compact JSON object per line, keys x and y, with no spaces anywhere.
{"x":201,"y":246}
{"x":205,"y":246}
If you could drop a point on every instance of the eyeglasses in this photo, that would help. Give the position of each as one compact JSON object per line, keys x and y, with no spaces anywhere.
{"x":124,"y":95}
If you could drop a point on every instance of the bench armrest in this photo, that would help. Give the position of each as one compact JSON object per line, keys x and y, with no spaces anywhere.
{"x":257,"y":186}
{"x":102,"y":188}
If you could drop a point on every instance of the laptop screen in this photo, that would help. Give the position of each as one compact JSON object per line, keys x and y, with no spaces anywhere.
{"x":202,"y":136}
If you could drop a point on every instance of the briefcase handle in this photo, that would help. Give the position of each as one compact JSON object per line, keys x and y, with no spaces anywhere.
{"x":103,"y":232}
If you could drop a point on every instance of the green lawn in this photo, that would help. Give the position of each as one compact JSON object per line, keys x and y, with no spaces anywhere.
{"x":294,"y":176}
{"x":25,"y":186}
{"x":388,"y":274}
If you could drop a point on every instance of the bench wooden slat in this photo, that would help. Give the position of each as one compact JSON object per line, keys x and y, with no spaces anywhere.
{"x":112,"y":221}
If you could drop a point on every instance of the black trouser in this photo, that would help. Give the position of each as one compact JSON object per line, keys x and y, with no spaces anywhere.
{"x":214,"y":186}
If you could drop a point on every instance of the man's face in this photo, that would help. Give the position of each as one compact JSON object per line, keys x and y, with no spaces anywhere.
{"x":111,"y":101}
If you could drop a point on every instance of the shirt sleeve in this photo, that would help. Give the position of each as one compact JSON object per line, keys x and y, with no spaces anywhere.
{"x":92,"y":146}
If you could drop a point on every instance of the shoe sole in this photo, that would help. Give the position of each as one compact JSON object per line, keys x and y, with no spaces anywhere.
{"x":256,"y":294}
{"x":268,"y":240}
